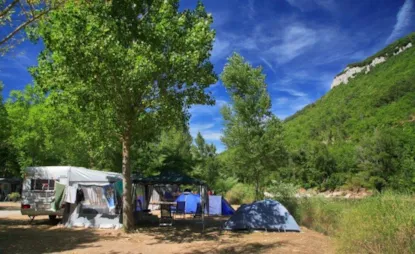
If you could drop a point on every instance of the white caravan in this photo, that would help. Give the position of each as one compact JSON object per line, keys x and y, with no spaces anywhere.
{"x":38,"y":192}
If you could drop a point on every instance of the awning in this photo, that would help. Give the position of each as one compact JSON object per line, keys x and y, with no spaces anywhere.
{"x":168,"y":178}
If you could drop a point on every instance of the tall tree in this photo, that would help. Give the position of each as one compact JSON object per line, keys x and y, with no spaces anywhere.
{"x":252,"y":133}
{"x":130,"y":62}
{"x":206,"y":164}
{"x":5,"y":151}
{"x":172,"y":151}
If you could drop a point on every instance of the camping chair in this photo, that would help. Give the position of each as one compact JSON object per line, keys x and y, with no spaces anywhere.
{"x":180,"y":208}
{"x":165,"y":215}
{"x":198,"y":212}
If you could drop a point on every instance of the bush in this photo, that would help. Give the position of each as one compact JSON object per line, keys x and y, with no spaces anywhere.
{"x":223,"y":185}
{"x":14,"y":196}
{"x":241,"y":194}
{"x":285,"y":194}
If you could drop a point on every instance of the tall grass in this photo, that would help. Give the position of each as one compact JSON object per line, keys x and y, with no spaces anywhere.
{"x":379,"y":224}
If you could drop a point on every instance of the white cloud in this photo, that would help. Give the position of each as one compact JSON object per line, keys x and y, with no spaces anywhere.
{"x":283,"y":107}
{"x":207,"y":110}
{"x":221,"y":103}
{"x":310,"y":5}
{"x":201,"y":126}
{"x":292,"y":92}
{"x":280,"y":101}
{"x":251,"y":9}
{"x":220,"y":18}
{"x":221,"y":48}
{"x":212,"y":135}
{"x":246,"y":43}
{"x":296,"y":40}
{"x":403,"y":20}
{"x":268,"y":64}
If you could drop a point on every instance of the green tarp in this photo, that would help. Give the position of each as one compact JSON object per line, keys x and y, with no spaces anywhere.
{"x":168,"y":178}
{"x":59,"y":190}
{"x":118,"y":188}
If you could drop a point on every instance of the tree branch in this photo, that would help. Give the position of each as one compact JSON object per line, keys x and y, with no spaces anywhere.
{"x":27,"y":22}
{"x":23,"y":25}
{"x":8,"y":8}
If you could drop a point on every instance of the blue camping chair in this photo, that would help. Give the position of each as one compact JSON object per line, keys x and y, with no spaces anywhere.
{"x":198,"y":212}
{"x":179,"y":209}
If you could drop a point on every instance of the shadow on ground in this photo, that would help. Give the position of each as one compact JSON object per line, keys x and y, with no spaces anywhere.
{"x":246,"y":248}
{"x":184,"y":230}
{"x":42,"y":236}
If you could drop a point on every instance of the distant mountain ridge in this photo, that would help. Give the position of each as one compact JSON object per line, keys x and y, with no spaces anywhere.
{"x":392,"y":50}
{"x":361,"y":134}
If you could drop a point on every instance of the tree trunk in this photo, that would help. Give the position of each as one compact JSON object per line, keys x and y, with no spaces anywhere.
{"x":257,"y":186}
{"x":127,"y":216}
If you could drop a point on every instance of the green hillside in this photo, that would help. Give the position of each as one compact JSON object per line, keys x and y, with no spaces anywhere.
{"x":360,"y":134}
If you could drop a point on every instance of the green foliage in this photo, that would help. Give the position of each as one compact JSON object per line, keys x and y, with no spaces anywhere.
{"x":285,"y":194}
{"x":241,"y":194}
{"x":14,"y":196}
{"x":321,"y":214}
{"x":170,"y":152}
{"x":133,"y":66}
{"x":223,"y":185}
{"x":44,"y":133}
{"x":282,"y":190}
{"x":379,"y":224}
{"x":4,"y":133}
{"x":207,"y":166}
{"x":361,"y":134}
{"x":17,"y":16}
{"x":388,"y":51}
{"x":386,"y":224}
{"x":252,"y":134}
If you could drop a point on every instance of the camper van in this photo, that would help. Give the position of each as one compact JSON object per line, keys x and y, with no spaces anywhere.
{"x":92,"y":210}
{"x":38,"y":192}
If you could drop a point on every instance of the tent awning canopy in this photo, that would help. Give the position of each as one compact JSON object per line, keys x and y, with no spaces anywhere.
{"x":168,"y":178}
{"x":74,"y":174}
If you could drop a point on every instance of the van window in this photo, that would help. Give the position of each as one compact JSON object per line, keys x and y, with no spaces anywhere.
{"x":42,"y":184}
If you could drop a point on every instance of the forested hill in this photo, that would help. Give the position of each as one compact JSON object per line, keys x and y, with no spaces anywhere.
{"x":362,"y":132}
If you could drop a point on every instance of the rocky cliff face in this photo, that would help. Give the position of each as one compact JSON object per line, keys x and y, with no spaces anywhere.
{"x":351,"y":72}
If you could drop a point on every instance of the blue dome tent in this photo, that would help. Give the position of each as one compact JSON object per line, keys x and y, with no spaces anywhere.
{"x":217,"y":204}
{"x":262,"y":215}
{"x":191,"y":201}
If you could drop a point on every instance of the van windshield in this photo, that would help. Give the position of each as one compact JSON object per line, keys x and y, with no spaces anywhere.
{"x":42,"y":184}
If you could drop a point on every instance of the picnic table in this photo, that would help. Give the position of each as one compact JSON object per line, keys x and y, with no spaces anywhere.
{"x":163,"y":203}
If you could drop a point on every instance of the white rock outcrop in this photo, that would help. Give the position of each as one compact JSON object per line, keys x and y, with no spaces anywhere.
{"x":402,"y":49}
{"x":350,"y":73}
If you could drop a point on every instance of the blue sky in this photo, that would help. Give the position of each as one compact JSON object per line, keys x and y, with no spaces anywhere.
{"x":301,"y":44}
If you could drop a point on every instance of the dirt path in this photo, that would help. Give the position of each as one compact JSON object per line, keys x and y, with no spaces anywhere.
{"x":9,"y":206}
{"x":18,"y":236}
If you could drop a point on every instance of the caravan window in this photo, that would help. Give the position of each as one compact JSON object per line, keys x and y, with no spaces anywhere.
{"x":42,"y":184}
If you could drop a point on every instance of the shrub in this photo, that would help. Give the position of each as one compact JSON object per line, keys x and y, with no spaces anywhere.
{"x":241,"y":194}
{"x":14,"y":196}
{"x":285,"y":194}
{"x":223,"y":185}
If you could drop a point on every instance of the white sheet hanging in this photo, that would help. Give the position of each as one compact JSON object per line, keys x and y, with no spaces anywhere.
{"x":70,"y":194}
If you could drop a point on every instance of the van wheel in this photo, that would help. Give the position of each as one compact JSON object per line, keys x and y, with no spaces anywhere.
{"x":52,"y":218}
